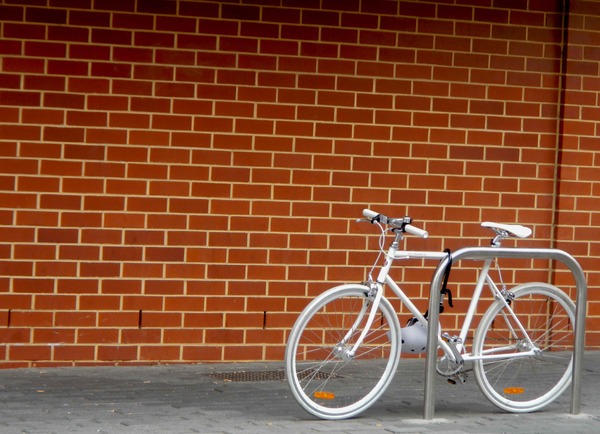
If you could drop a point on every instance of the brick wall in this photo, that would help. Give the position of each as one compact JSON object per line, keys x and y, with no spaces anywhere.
{"x":179,"y":178}
{"x":578,"y":224}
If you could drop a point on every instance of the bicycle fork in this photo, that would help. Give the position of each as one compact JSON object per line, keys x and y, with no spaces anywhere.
{"x":341,"y":349}
{"x":375,"y":288}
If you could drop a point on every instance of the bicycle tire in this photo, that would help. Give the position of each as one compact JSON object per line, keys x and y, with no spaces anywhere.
{"x":526,"y":384}
{"x":325,"y":382}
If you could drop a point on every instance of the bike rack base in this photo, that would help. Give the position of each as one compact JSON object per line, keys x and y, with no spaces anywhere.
{"x":482,"y":253}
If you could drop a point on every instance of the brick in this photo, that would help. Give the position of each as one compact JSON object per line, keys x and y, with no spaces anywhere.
{"x":128,"y":120}
{"x":9,"y":115}
{"x":259,"y":30}
{"x":63,"y":134}
{"x":58,"y":336}
{"x":175,"y":24}
{"x":51,"y":268}
{"x":97,"y":336}
{"x":75,"y":353}
{"x":243,"y":352}
{"x":20,"y":98}
{"x":68,"y":67}
{"x":135,"y":21}
{"x":138,"y":336}
{"x":17,"y":132}
{"x":279,"y":47}
{"x":26,"y":285}
{"x":163,"y":287}
{"x":160,"y":352}
{"x":336,"y":34}
{"x":24,"y":31}
{"x":197,"y":288}
{"x":154,"y":39}
{"x":281,"y":15}
{"x":238,"y":12}
{"x":360,"y":21}
{"x":162,"y":7}
{"x":45,"y":49}
{"x":290,"y":128}
{"x":77,"y":286}
{"x":43,"y":116}
{"x":68,"y":34}
{"x":299,"y":32}
{"x":170,"y":122}
{"x":87,"y":118}
{"x":161,"y":319}
{"x":112,"y":37}
{"x":491,"y":15}
{"x":125,"y":54}
{"x":64,"y":100}
{"x":143,"y":303}
{"x":203,"y":353}
{"x":12,"y":13}
{"x":224,"y":336}
{"x":199,"y":9}
{"x":183,"y":337}
{"x":10,"y":48}
{"x":158,"y":105}
{"x":244,"y":320}
{"x":29,"y":352}
{"x":16,"y":301}
{"x":164,"y":254}
{"x":238,"y":44}
{"x":55,"y":302}
{"x":117,"y":352}
{"x":119,"y":319}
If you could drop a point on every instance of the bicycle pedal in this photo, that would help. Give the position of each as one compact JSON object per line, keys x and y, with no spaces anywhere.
{"x":461,"y":377}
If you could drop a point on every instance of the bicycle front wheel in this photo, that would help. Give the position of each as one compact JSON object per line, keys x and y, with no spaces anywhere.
{"x":518,"y":383}
{"x":324,"y":378}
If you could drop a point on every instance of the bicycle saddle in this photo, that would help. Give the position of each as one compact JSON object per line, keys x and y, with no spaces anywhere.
{"x":510,"y":230}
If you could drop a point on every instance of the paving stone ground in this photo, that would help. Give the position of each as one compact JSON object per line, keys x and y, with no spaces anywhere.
{"x":189,"y":399}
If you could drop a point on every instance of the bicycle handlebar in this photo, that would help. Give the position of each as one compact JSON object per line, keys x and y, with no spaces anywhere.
{"x":404,"y":224}
{"x":416,"y":231}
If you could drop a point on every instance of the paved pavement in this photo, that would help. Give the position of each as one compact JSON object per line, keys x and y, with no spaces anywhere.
{"x":196,"y":399}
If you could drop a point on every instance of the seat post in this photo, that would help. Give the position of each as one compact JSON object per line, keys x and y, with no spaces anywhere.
{"x":496,"y":241}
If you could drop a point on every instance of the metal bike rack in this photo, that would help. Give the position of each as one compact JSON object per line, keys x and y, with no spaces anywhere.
{"x":482,"y":253}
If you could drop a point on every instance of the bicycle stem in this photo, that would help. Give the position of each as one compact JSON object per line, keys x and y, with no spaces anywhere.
{"x":389,"y":259}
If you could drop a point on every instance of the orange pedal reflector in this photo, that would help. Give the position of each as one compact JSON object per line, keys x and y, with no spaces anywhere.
{"x":324,"y":395}
{"x":514,"y":390}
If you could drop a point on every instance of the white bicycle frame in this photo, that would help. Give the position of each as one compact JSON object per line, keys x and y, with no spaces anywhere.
{"x":454,"y":354}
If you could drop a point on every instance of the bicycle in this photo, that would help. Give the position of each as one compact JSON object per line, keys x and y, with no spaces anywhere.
{"x":345,"y":346}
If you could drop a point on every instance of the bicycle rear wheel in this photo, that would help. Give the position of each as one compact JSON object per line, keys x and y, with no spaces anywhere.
{"x":323,"y":378}
{"x":523,"y":384}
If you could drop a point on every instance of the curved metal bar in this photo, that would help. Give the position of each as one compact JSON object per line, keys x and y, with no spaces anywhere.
{"x":482,"y":253}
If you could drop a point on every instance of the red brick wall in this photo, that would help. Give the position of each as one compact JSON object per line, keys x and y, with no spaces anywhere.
{"x":178,"y":178}
{"x":578,"y":221}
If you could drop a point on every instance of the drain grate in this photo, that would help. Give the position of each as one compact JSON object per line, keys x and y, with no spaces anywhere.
{"x":240,"y":376}
{"x":248,"y":376}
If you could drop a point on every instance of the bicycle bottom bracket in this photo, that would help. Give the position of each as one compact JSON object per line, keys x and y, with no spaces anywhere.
{"x":447,"y":367}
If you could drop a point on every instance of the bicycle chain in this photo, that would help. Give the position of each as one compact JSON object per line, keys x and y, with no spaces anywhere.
{"x":453,"y":377}
{"x":461,"y":372}
{"x":453,"y":370}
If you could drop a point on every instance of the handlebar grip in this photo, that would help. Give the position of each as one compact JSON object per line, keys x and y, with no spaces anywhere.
{"x":416,"y":231}
{"x":369,"y":214}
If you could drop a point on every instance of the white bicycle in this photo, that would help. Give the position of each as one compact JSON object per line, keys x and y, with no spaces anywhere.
{"x":345,"y":346}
